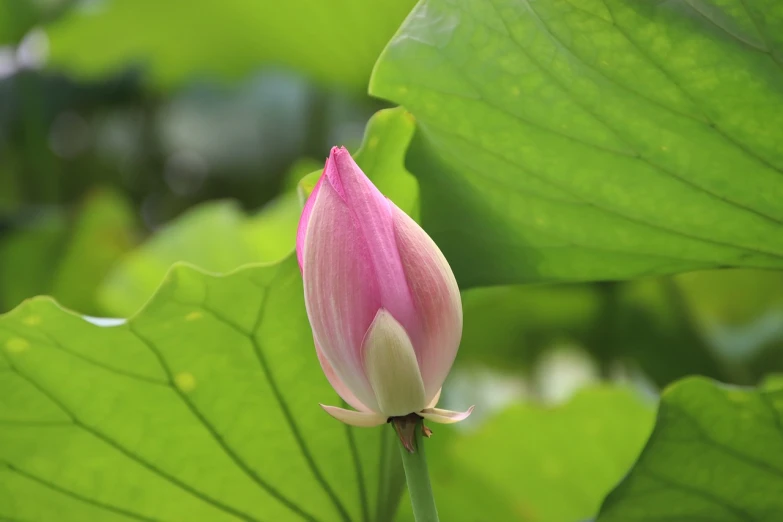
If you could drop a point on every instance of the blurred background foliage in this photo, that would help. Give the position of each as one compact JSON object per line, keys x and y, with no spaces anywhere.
{"x":136,"y":134}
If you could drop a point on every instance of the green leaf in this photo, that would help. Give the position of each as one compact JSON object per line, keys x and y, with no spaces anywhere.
{"x":67,"y":258}
{"x":740,"y":313}
{"x":538,"y":464}
{"x":204,"y":406}
{"x":211,"y":236}
{"x":336,"y":44}
{"x":29,"y":255}
{"x":103,"y":231}
{"x":271,"y":232}
{"x":646,"y":321}
{"x":510,"y":326}
{"x":716,"y":454}
{"x":382,"y":157}
{"x":733,"y":297}
{"x":17,"y":17}
{"x":589,"y":140}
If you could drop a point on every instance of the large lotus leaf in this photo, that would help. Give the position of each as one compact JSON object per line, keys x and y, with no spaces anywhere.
{"x":565,"y":140}
{"x":204,"y":406}
{"x":716,"y":454}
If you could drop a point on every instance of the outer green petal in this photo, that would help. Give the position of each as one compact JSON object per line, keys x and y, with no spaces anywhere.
{"x":391,"y":367}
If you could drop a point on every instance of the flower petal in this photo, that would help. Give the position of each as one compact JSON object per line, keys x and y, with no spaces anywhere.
{"x":434,"y":401}
{"x":342,"y":390}
{"x":301,"y":230}
{"x":438,"y":330}
{"x":392,"y":368}
{"x":372,"y":212}
{"x":444,"y":416}
{"x":360,"y":419}
{"x":341,"y":293}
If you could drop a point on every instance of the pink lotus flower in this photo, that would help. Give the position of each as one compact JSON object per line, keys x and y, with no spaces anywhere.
{"x":382,"y":301}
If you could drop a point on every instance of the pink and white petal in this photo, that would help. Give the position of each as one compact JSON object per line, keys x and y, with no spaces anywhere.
{"x":373,"y":213}
{"x":301,"y":230}
{"x":444,"y":416}
{"x":361,"y":419}
{"x":342,"y":390}
{"x":438,"y":330}
{"x":341,"y":292}
{"x":434,"y":401}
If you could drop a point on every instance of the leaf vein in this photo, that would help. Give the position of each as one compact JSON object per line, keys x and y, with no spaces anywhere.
{"x":126,"y":452}
{"x":52,"y":342}
{"x":739,"y":513}
{"x":709,"y":121}
{"x":217,"y":436}
{"x":635,"y":154}
{"x":545,"y":179}
{"x":704,"y":436}
{"x":279,"y":397}
{"x":65,"y":491}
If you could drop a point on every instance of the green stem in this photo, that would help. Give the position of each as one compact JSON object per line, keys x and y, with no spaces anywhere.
{"x":418,"y":478}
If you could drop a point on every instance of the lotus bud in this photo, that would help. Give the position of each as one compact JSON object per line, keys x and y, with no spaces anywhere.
{"x":382,"y":301}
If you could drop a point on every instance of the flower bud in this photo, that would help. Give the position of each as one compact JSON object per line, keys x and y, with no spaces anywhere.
{"x":382,"y":301}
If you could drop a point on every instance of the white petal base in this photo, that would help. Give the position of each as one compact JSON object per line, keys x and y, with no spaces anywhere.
{"x":434,"y":401}
{"x":359,"y":419}
{"x":444,"y":416}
